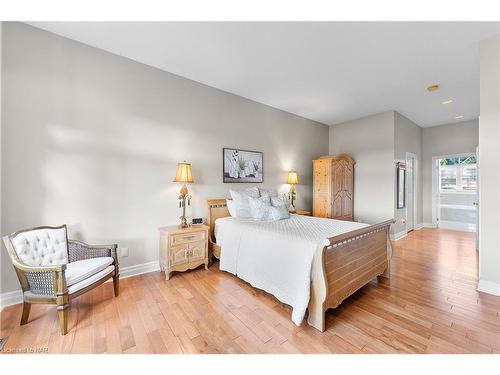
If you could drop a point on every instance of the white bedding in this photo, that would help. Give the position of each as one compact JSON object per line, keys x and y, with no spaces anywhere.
{"x":277,"y":256}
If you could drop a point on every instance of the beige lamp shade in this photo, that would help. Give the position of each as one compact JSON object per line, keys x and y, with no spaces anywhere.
{"x":183,"y":173}
{"x":292,"y":178}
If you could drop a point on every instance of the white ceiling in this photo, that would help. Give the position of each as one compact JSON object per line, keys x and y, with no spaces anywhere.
{"x":326,"y":71}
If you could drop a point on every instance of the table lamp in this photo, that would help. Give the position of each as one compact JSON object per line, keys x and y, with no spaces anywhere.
{"x":292,"y":180}
{"x":184,"y":175}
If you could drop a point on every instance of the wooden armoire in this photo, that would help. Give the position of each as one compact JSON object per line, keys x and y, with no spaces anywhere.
{"x":333,"y":184}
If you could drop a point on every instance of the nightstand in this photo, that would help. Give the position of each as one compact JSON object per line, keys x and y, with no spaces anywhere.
{"x":302,"y":212}
{"x":183,"y":249}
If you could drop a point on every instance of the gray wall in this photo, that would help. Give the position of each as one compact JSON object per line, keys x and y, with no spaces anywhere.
{"x":370,"y":142}
{"x":407,"y":138}
{"x":92,"y":139}
{"x":376,"y":142}
{"x":441,"y":140}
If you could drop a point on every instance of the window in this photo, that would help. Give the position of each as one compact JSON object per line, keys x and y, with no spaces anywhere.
{"x":458,"y":174}
{"x":448,"y":178}
{"x":469,"y":177}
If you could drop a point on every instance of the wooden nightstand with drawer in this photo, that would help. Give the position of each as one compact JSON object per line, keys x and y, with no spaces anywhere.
{"x":302,"y":212}
{"x":183,"y":249}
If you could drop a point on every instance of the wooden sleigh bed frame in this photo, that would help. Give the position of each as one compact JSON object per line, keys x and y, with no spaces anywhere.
{"x":349,"y":262}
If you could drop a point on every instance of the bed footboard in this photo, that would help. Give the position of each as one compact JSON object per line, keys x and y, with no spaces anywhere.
{"x":349,"y":262}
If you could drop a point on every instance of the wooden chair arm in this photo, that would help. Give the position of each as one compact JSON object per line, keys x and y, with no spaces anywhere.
{"x":25,"y":268}
{"x":42,"y":280}
{"x":78,"y":250}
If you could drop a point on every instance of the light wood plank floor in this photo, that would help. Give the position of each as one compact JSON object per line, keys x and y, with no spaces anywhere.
{"x":430,"y":305}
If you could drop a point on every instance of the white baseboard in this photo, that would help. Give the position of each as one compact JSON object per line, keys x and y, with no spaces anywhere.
{"x":16,"y":296}
{"x":403,"y":233}
{"x":398,"y":236}
{"x":428,"y":225}
{"x":139,"y":269}
{"x":11,"y":298}
{"x":488,"y":287}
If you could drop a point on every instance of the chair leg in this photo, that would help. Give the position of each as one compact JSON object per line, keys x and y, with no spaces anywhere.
{"x":116,"y":285}
{"x":26,"y":313}
{"x":62,"y":311}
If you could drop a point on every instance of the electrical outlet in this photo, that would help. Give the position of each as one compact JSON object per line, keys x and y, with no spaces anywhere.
{"x":124,"y":252}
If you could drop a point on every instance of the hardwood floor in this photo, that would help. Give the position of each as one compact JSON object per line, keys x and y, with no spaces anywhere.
{"x":430,"y":305}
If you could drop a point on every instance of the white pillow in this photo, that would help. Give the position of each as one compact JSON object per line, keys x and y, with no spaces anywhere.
{"x":278,"y":212}
{"x":280,"y":200}
{"x":231,"y":207}
{"x":240,"y":199}
{"x":252,"y":192}
{"x":271,"y":192}
{"x":259,"y":207}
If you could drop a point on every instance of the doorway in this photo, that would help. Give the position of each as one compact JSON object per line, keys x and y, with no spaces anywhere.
{"x":411,"y":191}
{"x":455,"y":192}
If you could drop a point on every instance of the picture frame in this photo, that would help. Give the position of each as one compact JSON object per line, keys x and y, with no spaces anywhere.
{"x":242,"y":166}
{"x":401,"y":185}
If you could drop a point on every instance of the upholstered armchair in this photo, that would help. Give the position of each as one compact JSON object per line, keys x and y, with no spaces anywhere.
{"x":53,"y":269}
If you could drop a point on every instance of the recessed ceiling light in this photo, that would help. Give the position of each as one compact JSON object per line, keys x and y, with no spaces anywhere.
{"x":449,"y":101}
{"x":432,"y":87}
{"x":459,"y":117}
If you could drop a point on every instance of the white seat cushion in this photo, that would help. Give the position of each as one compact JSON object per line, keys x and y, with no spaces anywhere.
{"x":90,"y":280}
{"x":83,"y":269}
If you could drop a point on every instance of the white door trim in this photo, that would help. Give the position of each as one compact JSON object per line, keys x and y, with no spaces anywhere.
{"x":435,"y":170}
{"x":478,"y":207}
{"x":413,"y":156}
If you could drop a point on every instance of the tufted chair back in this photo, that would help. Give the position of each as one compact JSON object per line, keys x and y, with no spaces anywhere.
{"x":44,"y":246}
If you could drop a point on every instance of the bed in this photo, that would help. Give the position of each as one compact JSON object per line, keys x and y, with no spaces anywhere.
{"x":306,"y":262}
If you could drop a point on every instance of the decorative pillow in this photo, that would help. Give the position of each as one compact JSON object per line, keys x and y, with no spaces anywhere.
{"x":271,"y":193}
{"x":240,"y":199}
{"x":231,"y":207}
{"x":259,"y":207}
{"x":278,"y":212}
{"x":252,"y":192}
{"x":280,"y":200}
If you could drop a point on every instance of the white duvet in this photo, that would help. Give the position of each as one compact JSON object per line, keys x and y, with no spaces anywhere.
{"x":277,"y":256}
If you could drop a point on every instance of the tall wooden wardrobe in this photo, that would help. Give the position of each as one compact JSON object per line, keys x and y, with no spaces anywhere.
{"x":333,"y":184}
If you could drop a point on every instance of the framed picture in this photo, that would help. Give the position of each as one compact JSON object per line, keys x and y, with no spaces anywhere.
{"x":242,"y":165}
{"x":401,"y":185}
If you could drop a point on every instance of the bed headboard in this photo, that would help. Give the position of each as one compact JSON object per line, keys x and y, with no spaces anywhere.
{"x":217,"y":208}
